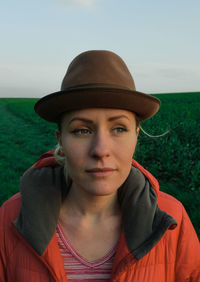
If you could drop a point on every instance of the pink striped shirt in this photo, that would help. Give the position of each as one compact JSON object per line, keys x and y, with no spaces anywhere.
{"x":78,"y":268}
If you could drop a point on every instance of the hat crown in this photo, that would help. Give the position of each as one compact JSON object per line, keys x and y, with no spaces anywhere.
{"x":98,"y":68}
{"x":97,"y":79}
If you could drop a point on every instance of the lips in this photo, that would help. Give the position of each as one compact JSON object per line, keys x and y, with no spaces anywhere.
{"x":101,"y":172}
{"x":100,"y":169}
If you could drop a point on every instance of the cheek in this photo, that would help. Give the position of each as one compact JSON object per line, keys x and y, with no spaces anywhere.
{"x":70,"y":154}
{"x":134,"y":145}
{"x":71,"y":160}
{"x":127,"y":156}
{"x":74,"y":153}
{"x":129,"y":148}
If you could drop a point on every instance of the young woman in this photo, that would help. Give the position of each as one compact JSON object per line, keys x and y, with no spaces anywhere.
{"x":87,"y":211}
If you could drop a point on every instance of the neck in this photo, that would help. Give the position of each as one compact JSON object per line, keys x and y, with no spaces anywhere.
{"x":83,"y":204}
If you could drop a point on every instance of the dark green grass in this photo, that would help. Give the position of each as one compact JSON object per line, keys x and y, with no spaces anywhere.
{"x":173,"y":159}
{"x":24,"y":137}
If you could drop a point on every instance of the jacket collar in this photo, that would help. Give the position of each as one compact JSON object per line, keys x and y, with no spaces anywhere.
{"x":42,"y":191}
{"x":143,"y":222}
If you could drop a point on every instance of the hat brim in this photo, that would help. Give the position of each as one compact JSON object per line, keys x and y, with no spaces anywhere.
{"x":53,"y":105}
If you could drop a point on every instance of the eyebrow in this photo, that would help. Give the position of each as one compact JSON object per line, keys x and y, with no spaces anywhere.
{"x":90,"y":121}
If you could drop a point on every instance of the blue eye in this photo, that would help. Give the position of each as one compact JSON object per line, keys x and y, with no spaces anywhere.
{"x":81,"y":131}
{"x":120,"y":129}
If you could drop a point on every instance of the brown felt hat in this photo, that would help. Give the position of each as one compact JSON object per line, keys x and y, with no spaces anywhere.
{"x":97,"y":79}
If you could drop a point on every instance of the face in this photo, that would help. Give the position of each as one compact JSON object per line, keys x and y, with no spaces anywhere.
{"x":98,"y":145}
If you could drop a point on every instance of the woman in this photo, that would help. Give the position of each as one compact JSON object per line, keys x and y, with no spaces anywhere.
{"x":88,"y":212}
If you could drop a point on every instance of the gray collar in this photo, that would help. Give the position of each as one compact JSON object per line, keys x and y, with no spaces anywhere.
{"x":43,"y":189}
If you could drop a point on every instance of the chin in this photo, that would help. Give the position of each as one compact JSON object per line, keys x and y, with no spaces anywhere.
{"x":103,"y":189}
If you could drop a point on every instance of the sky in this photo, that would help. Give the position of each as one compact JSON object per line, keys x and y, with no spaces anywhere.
{"x":159,"y":41}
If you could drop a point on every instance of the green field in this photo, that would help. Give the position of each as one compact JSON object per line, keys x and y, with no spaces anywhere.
{"x":173,"y":159}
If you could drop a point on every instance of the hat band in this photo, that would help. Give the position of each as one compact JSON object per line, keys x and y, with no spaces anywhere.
{"x":95,"y":86}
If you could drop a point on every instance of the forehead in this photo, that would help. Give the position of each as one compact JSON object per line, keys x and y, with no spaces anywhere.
{"x":98,"y":114}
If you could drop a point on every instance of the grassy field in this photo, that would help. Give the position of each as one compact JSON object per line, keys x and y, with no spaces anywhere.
{"x":173,"y":159}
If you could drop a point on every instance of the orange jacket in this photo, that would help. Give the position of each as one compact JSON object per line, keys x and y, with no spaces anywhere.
{"x":169,"y":252}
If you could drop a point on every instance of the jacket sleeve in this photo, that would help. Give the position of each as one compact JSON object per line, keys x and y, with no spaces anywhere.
{"x":188,"y":252}
{"x":2,"y":252}
{"x":2,"y":270}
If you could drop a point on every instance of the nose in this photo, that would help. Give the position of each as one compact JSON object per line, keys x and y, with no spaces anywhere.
{"x":100,"y":145}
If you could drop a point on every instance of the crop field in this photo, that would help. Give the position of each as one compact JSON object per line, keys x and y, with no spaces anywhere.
{"x":174,"y":159}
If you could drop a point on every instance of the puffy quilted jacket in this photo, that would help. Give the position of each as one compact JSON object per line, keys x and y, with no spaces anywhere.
{"x":157,"y":244}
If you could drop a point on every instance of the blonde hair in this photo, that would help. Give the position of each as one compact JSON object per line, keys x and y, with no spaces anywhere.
{"x":153,"y":136}
{"x":61,"y":160}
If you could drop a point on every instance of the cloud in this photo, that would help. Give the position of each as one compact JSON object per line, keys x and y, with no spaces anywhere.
{"x":85,"y":3}
{"x":78,"y":3}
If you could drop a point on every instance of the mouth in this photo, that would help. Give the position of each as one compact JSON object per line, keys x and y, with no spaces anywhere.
{"x":100,"y":172}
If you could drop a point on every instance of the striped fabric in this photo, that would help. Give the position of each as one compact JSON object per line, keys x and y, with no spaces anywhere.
{"x":79,"y":269}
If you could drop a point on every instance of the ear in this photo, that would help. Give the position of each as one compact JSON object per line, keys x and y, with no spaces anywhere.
{"x":58,"y":137}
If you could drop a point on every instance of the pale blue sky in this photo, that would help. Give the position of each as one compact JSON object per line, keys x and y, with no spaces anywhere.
{"x":159,"y":40}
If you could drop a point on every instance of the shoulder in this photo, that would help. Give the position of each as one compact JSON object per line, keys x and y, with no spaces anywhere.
{"x":183,"y":239}
{"x":171,"y":205}
{"x":184,"y":231}
{"x":10,"y":209}
{"x":8,"y":213}
{"x":175,"y":208}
